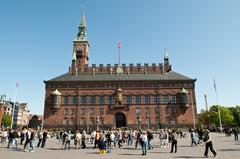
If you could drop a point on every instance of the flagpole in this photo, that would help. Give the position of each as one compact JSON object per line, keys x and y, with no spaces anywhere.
{"x":119,"y":46}
{"x":15,"y":99}
{"x":219,"y":114}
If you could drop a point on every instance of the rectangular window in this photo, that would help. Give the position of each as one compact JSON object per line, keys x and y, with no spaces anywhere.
{"x":84,"y":100}
{"x":72,"y":111}
{"x":156,"y":99}
{"x":83,"y":110}
{"x":157,"y":121}
{"x":102,"y":100}
{"x":110,"y":99}
{"x":101,"y":121}
{"x":156,"y":110}
{"x":147,"y":100}
{"x":91,"y":122}
{"x":82,"y":122}
{"x":173,"y":110}
{"x":65,"y":121}
{"x":138,"y":111}
{"x":72,"y":121}
{"x":74,"y":100}
{"x":138,"y":100}
{"x":65,"y":100}
{"x":101,"y":111}
{"x":92,"y":100}
{"x":165,"y":100}
{"x":183,"y":99}
{"x":174,"y":100}
{"x":129,"y":100}
{"x":65,"y":111}
{"x":91,"y":111}
{"x":167,"y":110}
{"x":147,"y":111}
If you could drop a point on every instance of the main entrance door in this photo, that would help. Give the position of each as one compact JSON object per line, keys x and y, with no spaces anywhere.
{"x":120,"y":120}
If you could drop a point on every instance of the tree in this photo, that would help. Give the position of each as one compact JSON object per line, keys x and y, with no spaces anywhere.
{"x":203,"y":118}
{"x":236,"y":114}
{"x":226,"y":116}
{"x":6,"y":120}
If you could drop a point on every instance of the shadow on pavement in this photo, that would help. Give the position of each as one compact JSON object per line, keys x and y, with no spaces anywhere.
{"x":188,"y":157}
{"x":229,"y":149}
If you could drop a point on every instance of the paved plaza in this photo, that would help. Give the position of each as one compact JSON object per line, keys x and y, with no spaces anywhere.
{"x":226,"y":148}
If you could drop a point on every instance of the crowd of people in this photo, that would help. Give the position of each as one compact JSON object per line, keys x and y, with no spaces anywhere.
{"x":27,"y":137}
{"x":106,"y":140}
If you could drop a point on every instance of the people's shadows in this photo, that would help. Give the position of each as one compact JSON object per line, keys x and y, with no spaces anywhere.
{"x":188,"y":157}
{"x":229,"y":149}
{"x":129,"y":154}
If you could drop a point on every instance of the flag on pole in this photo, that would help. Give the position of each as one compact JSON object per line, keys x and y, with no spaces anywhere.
{"x":214,"y":84}
{"x":17,"y":84}
{"x":119,"y":45}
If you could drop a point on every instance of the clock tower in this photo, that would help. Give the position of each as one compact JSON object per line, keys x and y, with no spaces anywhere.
{"x":80,"y":48}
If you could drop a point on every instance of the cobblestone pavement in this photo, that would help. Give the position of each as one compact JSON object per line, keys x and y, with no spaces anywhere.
{"x":226,"y":148}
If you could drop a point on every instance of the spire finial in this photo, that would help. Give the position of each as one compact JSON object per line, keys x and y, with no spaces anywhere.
{"x":165,"y":53}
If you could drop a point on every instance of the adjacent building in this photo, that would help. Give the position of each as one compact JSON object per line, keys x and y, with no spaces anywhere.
{"x":120,"y":95}
{"x":21,"y":111}
{"x":35,"y":121}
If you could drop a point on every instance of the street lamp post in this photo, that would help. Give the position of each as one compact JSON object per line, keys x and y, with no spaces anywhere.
{"x":139,"y":122}
{"x":97,"y":122}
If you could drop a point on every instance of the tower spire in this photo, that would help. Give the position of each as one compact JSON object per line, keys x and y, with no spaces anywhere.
{"x":165,"y":53}
{"x":82,"y":29}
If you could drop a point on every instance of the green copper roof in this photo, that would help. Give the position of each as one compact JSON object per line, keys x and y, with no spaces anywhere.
{"x":82,"y":30}
{"x":83,"y":21}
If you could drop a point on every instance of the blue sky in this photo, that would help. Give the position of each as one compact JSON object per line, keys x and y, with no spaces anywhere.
{"x":202,"y":38}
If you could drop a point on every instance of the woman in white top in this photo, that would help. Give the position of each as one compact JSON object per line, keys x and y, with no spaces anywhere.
{"x":143,"y":142}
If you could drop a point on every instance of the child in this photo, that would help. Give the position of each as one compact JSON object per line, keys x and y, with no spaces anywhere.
{"x":102,"y":146}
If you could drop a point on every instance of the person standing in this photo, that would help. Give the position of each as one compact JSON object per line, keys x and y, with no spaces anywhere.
{"x":149,"y":137}
{"x":193,"y":138}
{"x":173,"y":137}
{"x":40,"y":137}
{"x":143,"y":142}
{"x":10,"y":138}
{"x":45,"y":133}
{"x":207,"y":139}
{"x":84,"y":136}
{"x":77,"y":140}
{"x":235,"y":132}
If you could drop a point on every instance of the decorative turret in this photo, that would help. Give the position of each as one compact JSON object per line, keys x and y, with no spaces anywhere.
{"x":56,"y":99}
{"x":167,"y":66}
{"x":183,"y":98}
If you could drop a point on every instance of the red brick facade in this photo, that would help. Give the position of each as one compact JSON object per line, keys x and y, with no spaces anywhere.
{"x":130,"y":96}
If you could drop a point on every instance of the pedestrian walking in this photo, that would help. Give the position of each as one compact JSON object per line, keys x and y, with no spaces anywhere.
{"x":173,"y":137}
{"x":207,"y":139}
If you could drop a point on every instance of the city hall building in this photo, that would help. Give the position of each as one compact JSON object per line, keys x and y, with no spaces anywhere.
{"x":113,"y":96}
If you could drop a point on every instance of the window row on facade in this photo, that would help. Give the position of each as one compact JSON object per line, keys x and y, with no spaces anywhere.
{"x":101,"y":111}
{"x":108,"y":100}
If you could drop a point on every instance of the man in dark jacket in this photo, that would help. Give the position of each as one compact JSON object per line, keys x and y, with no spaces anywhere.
{"x":207,"y":139}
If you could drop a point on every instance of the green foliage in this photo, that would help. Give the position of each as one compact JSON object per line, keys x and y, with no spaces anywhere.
{"x":236,"y":114}
{"x":6,"y":120}
{"x":226,"y":116}
{"x":203,"y":118}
